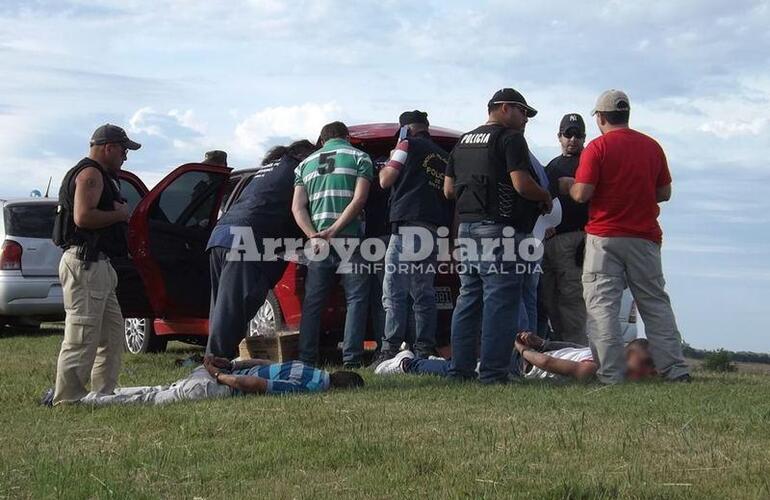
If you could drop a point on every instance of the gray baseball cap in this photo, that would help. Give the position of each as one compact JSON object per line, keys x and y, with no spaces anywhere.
{"x":109,"y":134}
{"x":612,"y":100}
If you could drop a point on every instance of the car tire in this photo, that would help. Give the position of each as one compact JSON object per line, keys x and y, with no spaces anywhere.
{"x":139,"y":336}
{"x":269,"y":318}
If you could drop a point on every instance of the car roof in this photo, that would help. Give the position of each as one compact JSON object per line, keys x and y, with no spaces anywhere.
{"x":27,"y":201}
{"x":374,"y":131}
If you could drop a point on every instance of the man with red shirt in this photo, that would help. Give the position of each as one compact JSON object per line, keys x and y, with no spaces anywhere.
{"x":625,"y":175}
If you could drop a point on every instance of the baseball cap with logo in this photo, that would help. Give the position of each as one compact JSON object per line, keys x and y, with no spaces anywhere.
{"x":572,"y":120}
{"x":112,"y":134}
{"x":612,"y":100}
{"x":511,"y":96}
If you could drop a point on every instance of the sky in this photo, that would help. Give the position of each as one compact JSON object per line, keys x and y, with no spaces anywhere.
{"x":185,"y":76}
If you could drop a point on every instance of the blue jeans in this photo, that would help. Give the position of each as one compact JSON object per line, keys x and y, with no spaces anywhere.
{"x":404,"y":279}
{"x":318,"y":283}
{"x":437,"y":367}
{"x":490,"y":296}
{"x":528,"y":319}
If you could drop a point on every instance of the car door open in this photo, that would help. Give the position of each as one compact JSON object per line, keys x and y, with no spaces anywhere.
{"x":168,"y":233}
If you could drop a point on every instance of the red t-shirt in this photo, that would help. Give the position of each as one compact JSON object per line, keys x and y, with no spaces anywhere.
{"x":626,"y":167}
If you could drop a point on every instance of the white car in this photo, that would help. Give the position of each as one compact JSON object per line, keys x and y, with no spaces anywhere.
{"x":29,"y":263}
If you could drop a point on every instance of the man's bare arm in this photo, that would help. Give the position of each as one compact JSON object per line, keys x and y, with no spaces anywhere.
{"x":299,"y":207}
{"x":352,"y":210}
{"x":388,"y":176}
{"x":567,"y":368}
{"x":526,"y":186}
{"x":663,"y":193}
{"x":581,"y":192}
{"x":88,"y":191}
{"x":249,"y":363}
{"x":449,"y":188}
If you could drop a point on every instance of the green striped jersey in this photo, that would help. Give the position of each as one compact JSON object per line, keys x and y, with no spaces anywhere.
{"x":329,"y":176}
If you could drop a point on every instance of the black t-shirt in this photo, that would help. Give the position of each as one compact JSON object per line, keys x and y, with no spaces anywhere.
{"x":417,"y":195}
{"x":377,"y":209}
{"x":574,"y":215}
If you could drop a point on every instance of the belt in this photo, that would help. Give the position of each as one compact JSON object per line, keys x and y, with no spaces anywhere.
{"x":75,"y":250}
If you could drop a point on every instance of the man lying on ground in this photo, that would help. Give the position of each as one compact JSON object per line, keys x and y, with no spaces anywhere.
{"x":535,"y":358}
{"x":218,"y":378}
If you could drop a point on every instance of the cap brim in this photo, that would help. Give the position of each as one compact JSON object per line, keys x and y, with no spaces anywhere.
{"x":133,"y":146}
{"x":530,"y":111}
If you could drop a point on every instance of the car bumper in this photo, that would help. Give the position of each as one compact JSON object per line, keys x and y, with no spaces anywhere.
{"x":30,"y":296}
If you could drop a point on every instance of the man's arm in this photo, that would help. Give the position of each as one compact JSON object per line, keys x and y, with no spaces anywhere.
{"x":663,"y":193}
{"x":249,"y":363}
{"x":449,"y":187}
{"x":581,"y":192}
{"x":564,"y":367}
{"x":351,"y":211}
{"x":396,"y":162}
{"x":299,"y":205}
{"x":247,"y":384}
{"x":528,"y":188}
{"x":88,"y":190}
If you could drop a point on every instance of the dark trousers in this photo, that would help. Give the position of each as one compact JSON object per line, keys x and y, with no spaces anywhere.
{"x":238,"y":290}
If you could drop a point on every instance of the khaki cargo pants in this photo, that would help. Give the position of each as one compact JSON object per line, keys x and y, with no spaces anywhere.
{"x":93,"y":329}
{"x":609,"y":264}
{"x":562,"y":287}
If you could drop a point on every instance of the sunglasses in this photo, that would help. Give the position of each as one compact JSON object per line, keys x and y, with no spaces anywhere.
{"x":570,"y":134}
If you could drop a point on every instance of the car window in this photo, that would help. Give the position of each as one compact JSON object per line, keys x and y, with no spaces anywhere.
{"x":231,"y":183}
{"x":131,"y":194}
{"x":30,"y":221}
{"x":189,"y":200}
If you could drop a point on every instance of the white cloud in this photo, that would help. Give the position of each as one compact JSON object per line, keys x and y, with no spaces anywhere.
{"x":727,"y":129}
{"x":298,"y":122}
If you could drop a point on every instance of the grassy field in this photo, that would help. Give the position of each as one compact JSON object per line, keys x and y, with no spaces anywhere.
{"x":403,"y":437}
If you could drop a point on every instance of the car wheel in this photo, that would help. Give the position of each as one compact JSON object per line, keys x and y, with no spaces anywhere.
{"x":140,"y":337}
{"x":269,"y":318}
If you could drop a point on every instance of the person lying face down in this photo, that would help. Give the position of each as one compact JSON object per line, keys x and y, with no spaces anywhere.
{"x":219,"y":377}
{"x":535,"y":358}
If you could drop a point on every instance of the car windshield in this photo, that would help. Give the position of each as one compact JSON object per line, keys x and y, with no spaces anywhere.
{"x":30,"y":221}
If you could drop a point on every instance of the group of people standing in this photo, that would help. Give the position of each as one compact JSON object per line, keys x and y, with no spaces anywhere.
{"x":490,"y":187}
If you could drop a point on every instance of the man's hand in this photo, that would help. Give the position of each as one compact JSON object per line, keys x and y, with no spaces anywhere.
{"x":221,"y":363}
{"x":122,"y":211}
{"x":519,"y":345}
{"x":530,"y":339}
{"x":328,"y":233}
{"x":550,"y":232}
{"x":208,"y":363}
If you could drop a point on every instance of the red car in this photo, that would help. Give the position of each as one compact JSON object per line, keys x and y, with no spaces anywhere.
{"x":164,"y":288}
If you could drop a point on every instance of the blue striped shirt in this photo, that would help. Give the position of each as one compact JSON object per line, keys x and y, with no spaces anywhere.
{"x":292,"y":376}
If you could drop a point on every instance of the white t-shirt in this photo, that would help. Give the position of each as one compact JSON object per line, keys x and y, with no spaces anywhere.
{"x":569,"y":353}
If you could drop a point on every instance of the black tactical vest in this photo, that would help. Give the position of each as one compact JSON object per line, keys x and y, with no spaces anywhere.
{"x":110,"y":240}
{"x":482,"y":184}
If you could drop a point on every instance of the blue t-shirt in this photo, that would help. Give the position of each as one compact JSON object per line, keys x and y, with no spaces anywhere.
{"x":292,"y":376}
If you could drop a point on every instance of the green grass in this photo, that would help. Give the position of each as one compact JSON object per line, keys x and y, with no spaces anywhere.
{"x":402,"y":437}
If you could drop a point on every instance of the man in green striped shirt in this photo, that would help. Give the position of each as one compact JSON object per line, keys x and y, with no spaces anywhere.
{"x":330,"y":191}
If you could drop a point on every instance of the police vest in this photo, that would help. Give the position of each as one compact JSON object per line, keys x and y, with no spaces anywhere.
{"x":417,"y":195}
{"x":110,"y":240}
{"x":482,"y":184}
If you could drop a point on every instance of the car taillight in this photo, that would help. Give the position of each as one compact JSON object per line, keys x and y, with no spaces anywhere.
{"x":10,"y":256}
{"x":632,"y":312}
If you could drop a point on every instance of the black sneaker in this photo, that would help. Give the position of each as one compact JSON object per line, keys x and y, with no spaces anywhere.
{"x":47,"y":399}
{"x":352,"y":365}
{"x":682,"y":378}
{"x":380,"y":357}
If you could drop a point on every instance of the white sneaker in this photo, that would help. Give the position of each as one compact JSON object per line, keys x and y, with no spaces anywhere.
{"x":393,"y":365}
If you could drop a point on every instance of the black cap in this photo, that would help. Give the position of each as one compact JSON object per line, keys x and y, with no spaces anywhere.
{"x":216,"y":156}
{"x":508,"y":96}
{"x":409,"y":117}
{"x":572,"y":120}
{"x":109,"y":134}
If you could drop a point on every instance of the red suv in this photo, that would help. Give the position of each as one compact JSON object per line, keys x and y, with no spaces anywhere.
{"x":164,"y":288}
